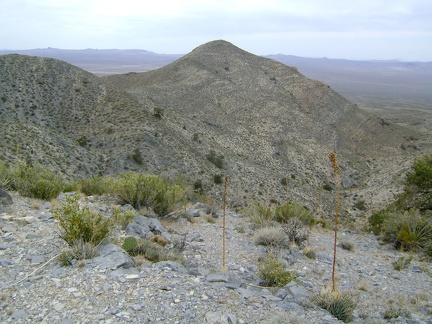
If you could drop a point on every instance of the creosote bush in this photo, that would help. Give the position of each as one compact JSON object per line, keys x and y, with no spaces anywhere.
{"x":35,"y":182}
{"x":148,"y":190}
{"x":291,"y":210}
{"x":273,"y":272}
{"x":80,"y":224}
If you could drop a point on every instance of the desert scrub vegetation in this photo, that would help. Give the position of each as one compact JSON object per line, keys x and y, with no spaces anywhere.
{"x":273,"y":273}
{"x":284,"y":213}
{"x":148,"y":190}
{"x":271,"y":236}
{"x":94,"y":185}
{"x":407,"y":223}
{"x":80,"y":224}
{"x":151,"y":251}
{"x":340,"y":305}
{"x":217,"y":160}
{"x":34,"y":181}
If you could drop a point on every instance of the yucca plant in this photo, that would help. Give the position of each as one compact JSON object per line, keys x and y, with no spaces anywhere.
{"x":340,"y":305}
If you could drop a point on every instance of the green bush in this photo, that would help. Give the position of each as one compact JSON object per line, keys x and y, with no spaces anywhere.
{"x":80,"y":224}
{"x":217,"y":178}
{"x":149,"y":250}
{"x":5,"y":178}
{"x":273,"y":272}
{"x":407,"y":230}
{"x":289,"y":211}
{"x":421,"y":174}
{"x":148,"y":190}
{"x":122,"y":219}
{"x":35,"y":182}
{"x":340,"y":305}
{"x":95,"y":185}
{"x":217,"y":160}
{"x":259,"y":214}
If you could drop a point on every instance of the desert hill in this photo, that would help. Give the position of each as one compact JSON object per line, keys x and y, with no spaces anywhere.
{"x":216,"y":111}
{"x":267,"y":120}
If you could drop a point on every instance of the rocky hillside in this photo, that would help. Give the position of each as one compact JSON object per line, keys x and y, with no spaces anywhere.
{"x":267,"y":120}
{"x":217,"y":111}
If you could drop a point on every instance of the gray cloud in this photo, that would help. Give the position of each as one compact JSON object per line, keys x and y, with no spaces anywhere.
{"x":355,"y":29}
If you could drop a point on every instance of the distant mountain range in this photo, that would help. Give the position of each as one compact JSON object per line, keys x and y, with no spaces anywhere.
{"x":216,"y":111}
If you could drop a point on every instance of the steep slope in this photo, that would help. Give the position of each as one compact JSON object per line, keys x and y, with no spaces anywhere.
{"x":267,"y":120}
{"x":62,"y":117}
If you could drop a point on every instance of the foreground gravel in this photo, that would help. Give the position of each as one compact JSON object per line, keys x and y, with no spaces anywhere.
{"x":35,"y":288}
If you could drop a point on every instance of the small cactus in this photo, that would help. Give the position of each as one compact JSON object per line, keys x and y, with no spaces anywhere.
{"x":130,"y":243}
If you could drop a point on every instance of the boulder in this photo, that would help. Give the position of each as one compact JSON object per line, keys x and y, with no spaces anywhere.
{"x":5,"y":198}
{"x":146,"y":227}
{"x":113,"y":257}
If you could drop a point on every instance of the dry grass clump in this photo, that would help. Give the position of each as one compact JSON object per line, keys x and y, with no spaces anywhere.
{"x":79,"y":251}
{"x":271,"y":236}
{"x":402,"y":263}
{"x":347,"y":245}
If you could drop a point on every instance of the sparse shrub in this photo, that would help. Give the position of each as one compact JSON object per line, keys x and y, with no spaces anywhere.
{"x":151,"y":251}
{"x":217,"y":178}
{"x":394,"y":312}
{"x":137,"y":157}
{"x":340,"y":305}
{"x":82,"y":141}
{"x":148,"y":190}
{"x":271,"y":236}
{"x":295,"y":231}
{"x":80,"y":250}
{"x":328,"y":187}
{"x":5,"y":180}
{"x":309,"y":253}
{"x":407,"y":230}
{"x":158,"y":112}
{"x":402,"y":263}
{"x":289,"y":211}
{"x":260,"y":215}
{"x":421,"y":174}
{"x":217,"y":160}
{"x":35,"y":182}
{"x":347,"y":245}
{"x":121,"y":218}
{"x":273,"y":272}
{"x":198,"y":187}
{"x":80,"y":224}
{"x":94,"y":186}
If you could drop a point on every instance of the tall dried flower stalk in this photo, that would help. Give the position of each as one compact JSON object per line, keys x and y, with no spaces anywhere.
{"x":335,"y":166}
{"x":224,"y":227}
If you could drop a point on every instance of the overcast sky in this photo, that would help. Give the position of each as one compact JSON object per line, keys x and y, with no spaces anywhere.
{"x":351,"y":29}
